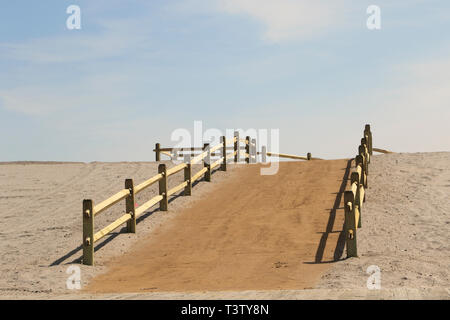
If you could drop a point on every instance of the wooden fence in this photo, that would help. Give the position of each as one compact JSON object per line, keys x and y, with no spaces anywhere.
{"x":354,"y":196}
{"x":128,"y":193}
{"x":249,"y":148}
{"x":212,"y":157}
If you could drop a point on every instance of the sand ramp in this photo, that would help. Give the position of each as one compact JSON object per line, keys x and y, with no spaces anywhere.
{"x":254,"y":232}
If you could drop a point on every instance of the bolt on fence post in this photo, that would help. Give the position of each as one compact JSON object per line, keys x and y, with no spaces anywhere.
{"x":130,"y":206}
{"x":188,"y":175}
{"x":157,"y":152}
{"x":263,"y":154}
{"x":207,"y":162}
{"x":164,"y":203}
{"x":236,"y":147}
{"x":350,"y":227}
{"x":247,"y":149}
{"x":88,"y":232}
{"x":308,"y":156}
{"x":223,"y":166}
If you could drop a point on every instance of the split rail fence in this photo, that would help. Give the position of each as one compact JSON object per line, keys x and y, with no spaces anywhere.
{"x":226,"y":151}
{"x":354,"y":195}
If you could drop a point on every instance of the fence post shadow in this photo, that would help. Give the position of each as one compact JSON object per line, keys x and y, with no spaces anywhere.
{"x":340,"y":245}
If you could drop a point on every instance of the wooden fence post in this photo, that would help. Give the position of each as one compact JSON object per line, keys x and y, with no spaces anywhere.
{"x":308,"y":156}
{"x":359,"y":160}
{"x":247,"y":149}
{"x":263,"y":154}
{"x":366,"y":148}
{"x":207,"y":162}
{"x":130,"y":206}
{"x":369,"y":134}
{"x":237,"y":149}
{"x":188,"y":175}
{"x":350,"y":227}
{"x":157,"y":152}
{"x":361,"y":151}
{"x":223,"y":166}
{"x":253,"y":151}
{"x":164,"y":203}
{"x":88,"y":232}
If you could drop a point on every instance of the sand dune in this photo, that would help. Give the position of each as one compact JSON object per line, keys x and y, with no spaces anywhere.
{"x":405,"y":227}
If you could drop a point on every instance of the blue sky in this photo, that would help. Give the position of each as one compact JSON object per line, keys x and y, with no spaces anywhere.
{"x":138,"y":70}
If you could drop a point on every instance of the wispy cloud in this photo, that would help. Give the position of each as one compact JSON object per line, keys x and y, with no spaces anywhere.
{"x":92,"y":91}
{"x":286,"y":20}
{"x":115,"y":38}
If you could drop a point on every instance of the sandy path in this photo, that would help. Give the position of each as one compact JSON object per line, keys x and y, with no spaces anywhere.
{"x":253,"y":233}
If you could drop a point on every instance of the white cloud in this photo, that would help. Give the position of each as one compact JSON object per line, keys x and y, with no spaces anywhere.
{"x":286,"y":20}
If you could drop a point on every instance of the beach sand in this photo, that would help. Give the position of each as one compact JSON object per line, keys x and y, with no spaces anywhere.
{"x":405,"y":229}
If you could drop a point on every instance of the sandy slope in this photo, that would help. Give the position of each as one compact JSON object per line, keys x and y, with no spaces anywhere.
{"x":405,"y":225}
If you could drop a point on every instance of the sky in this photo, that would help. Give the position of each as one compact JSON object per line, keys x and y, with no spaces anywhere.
{"x":138,"y":71}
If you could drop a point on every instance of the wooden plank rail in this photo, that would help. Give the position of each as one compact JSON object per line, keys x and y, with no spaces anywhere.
{"x":177,"y":188}
{"x":290,"y":156}
{"x":381,"y":150}
{"x":199,"y":174}
{"x":147,"y":205}
{"x":198,"y":158}
{"x":147,"y":183}
{"x":111,"y":201}
{"x":216,"y":163}
{"x":175,"y":169}
{"x":111,"y":227}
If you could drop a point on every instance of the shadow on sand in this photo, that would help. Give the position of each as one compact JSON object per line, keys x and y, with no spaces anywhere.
{"x":340,"y":245}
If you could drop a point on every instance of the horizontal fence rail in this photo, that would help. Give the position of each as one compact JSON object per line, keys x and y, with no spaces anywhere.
{"x":382,"y":150}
